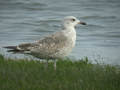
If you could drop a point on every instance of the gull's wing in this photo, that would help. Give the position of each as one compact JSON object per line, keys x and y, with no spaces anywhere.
{"x":47,"y":45}
{"x":52,"y":43}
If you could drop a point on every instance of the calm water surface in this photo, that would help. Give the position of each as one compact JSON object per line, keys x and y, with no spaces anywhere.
{"x":28,"y":20}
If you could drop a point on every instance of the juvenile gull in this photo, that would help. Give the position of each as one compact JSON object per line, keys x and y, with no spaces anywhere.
{"x":55,"y":46}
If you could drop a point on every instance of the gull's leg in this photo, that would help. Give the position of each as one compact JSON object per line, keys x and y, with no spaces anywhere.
{"x":46,"y":64}
{"x":55,"y":65}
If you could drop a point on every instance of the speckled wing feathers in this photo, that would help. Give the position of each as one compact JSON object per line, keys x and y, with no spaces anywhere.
{"x":46,"y":46}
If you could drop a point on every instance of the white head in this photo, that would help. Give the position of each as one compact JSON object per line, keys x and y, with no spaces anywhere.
{"x":71,"y":21}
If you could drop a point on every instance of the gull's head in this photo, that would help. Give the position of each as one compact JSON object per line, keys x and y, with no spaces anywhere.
{"x":71,"y":21}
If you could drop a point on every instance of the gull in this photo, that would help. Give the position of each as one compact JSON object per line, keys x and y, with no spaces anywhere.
{"x":55,"y":46}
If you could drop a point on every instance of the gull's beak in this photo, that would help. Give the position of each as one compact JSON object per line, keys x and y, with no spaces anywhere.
{"x":83,"y":23}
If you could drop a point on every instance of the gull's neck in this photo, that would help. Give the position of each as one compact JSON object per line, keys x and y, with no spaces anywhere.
{"x":70,"y":33}
{"x":68,"y":28}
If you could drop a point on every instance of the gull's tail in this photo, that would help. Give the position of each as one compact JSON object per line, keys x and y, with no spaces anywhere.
{"x":13,"y":49}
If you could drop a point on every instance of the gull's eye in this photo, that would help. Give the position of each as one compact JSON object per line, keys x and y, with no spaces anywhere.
{"x":73,"y":19}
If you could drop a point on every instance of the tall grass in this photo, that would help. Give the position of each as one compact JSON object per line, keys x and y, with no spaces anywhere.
{"x":77,"y":75}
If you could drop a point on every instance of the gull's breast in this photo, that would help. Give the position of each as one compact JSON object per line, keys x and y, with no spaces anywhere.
{"x":70,"y":43}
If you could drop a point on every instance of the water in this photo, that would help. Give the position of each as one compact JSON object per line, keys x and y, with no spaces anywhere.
{"x":28,"y":20}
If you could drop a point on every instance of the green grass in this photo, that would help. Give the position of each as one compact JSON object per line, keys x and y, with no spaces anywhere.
{"x":77,"y":75}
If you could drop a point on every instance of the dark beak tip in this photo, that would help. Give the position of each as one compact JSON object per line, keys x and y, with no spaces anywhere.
{"x":83,"y":23}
